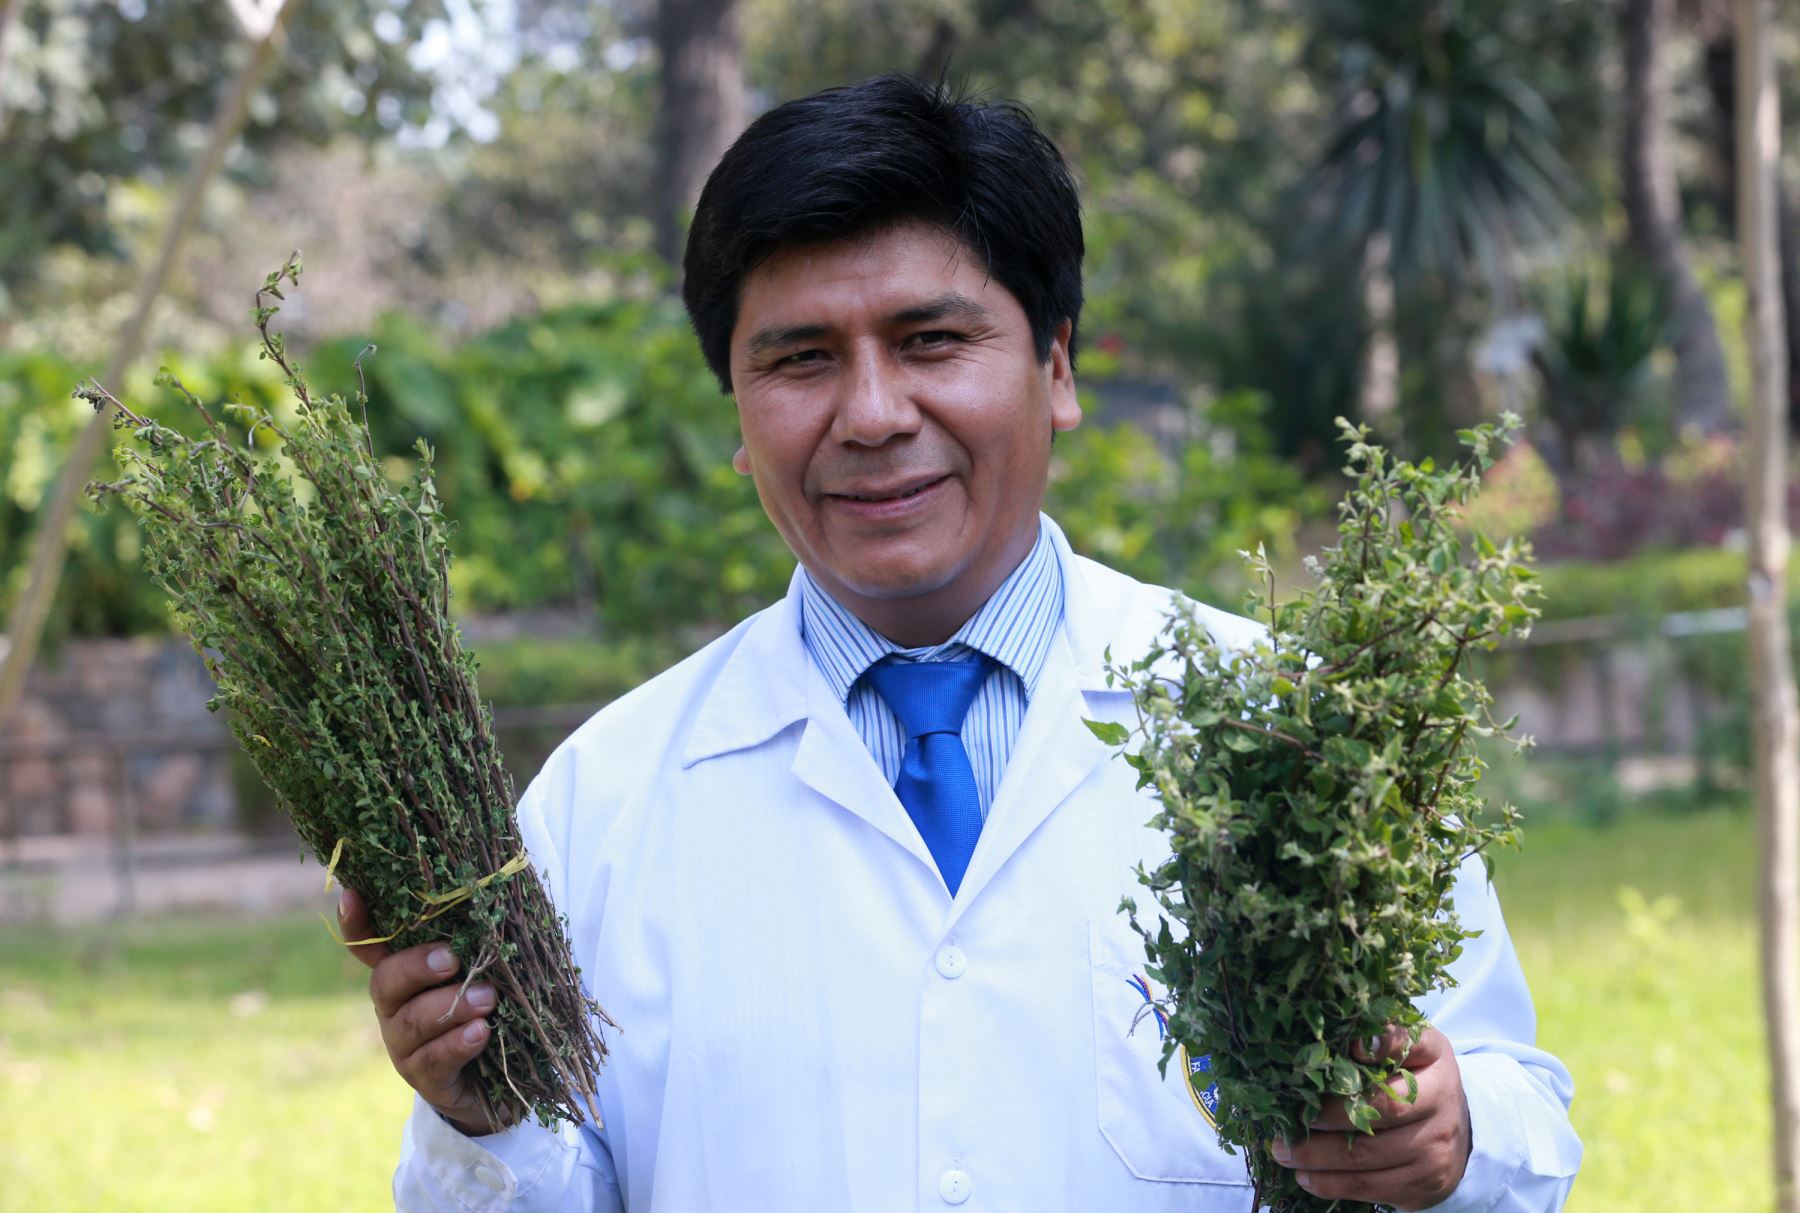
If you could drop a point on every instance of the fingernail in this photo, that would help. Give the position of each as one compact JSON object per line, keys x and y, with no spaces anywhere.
{"x":441,"y":960}
{"x":481,"y":997}
{"x":1281,"y":1152}
{"x":474,"y":1032}
{"x":343,"y":903}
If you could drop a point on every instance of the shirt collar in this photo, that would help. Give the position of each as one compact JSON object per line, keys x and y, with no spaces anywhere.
{"x":758,"y":679}
{"x":1014,"y":626}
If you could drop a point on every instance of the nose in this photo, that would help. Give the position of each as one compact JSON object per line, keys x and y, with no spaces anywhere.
{"x":874,"y":405}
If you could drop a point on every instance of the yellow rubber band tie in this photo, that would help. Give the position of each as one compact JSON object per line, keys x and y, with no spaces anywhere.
{"x":441,"y":902}
{"x":337,"y":853}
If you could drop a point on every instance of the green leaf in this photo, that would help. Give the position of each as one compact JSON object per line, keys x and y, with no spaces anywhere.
{"x":1107,"y":731}
{"x":1238,"y":741}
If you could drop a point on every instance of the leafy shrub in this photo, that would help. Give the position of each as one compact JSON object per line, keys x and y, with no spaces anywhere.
{"x":1617,"y":509}
{"x":1651,"y":585}
{"x":585,"y":670}
{"x":1601,"y":329}
{"x":104,"y":590}
{"x":1180,"y":515}
{"x":585,"y":455}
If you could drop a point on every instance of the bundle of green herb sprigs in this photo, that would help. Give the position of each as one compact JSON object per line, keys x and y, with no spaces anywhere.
{"x":1319,"y":793}
{"x":320,"y":601}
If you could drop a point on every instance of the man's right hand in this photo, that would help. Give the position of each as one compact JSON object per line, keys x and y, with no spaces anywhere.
{"x":412,"y":990}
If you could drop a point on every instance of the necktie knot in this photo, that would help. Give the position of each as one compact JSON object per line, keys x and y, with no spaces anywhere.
{"x":928,"y":696}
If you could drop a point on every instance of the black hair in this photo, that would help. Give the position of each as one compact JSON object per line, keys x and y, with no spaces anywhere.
{"x":857,"y":159}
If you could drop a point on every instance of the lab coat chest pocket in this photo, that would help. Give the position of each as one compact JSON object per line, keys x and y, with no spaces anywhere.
{"x":1161,"y":1128}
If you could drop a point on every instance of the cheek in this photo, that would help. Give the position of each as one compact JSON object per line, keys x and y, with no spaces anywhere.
{"x":1014,"y":443}
{"x":780,"y":444}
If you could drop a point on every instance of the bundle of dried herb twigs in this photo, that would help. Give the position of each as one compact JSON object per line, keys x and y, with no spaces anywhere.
{"x":321,"y":604}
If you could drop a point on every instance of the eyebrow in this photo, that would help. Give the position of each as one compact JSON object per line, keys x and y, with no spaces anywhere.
{"x":945,"y":307}
{"x":952,"y":305}
{"x":768,"y":340}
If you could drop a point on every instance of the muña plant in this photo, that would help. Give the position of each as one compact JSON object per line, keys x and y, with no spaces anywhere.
{"x":321,"y":601}
{"x":1319,"y":793}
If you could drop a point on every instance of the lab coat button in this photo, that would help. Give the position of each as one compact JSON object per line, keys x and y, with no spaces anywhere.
{"x":490,"y":1179}
{"x":951,"y":962}
{"x":954,"y":1187}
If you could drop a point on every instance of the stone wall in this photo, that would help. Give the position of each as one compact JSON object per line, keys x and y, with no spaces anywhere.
{"x":105,"y":722}
{"x":1622,"y":698}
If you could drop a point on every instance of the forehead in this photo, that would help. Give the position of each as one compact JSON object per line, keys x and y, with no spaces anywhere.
{"x":866,"y":277}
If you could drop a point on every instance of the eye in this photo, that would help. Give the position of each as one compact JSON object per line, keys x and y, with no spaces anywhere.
{"x":801,"y":358}
{"x":936,"y":339}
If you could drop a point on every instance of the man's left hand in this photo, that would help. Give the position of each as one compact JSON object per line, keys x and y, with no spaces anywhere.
{"x":1418,"y":1151}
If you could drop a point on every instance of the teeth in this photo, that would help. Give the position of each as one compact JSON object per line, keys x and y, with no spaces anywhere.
{"x":899,"y":497}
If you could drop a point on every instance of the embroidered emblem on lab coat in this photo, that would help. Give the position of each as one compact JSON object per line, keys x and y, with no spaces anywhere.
{"x":1205,"y":1101}
{"x":1208,"y":1100}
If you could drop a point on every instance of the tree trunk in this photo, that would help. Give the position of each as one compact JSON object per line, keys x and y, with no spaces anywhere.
{"x":26,"y":628}
{"x":934,"y":61}
{"x":1380,"y":396}
{"x":1775,"y":707}
{"x":1789,"y":224}
{"x":1721,"y":84}
{"x":1653,"y":214}
{"x":7,"y":9}
{"x":702,"y":107}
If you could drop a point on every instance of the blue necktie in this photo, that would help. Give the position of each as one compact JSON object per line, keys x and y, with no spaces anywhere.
{"x":936,"y":783}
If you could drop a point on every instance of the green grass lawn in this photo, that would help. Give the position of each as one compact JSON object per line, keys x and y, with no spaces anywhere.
{"x":200,"y":1067}
{"x":1639,"y":939}
{"x":184,"y":1066}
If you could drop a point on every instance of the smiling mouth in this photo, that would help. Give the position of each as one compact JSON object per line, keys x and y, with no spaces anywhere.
{"x":912,"y":492}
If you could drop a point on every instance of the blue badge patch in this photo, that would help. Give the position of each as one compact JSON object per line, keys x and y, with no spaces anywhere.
{"x":1206,"y":1100}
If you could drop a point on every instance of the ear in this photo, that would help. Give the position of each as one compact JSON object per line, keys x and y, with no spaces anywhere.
{"x":1065,"y":407}
{"x":740,"y":462}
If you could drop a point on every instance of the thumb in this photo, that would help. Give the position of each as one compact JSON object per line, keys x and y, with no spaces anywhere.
{"x":1395,"y":1043}
{"x":353,"y":922}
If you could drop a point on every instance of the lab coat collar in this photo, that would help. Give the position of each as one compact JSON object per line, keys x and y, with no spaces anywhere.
{"x":763,"y":686}
{"x":1088,"y":627}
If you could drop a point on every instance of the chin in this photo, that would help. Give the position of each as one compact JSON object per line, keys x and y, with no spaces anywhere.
{"x":897,"y":579}
{"x":896,"y":588}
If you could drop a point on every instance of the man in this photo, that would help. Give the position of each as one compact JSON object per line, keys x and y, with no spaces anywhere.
{"x":848,"y":877}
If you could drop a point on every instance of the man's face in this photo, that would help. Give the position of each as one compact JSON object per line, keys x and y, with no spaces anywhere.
{"x":897,"y":422}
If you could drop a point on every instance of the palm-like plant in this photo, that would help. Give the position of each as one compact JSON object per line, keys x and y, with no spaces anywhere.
{"x":1595,"y":356}
{"x":1445,"y":147}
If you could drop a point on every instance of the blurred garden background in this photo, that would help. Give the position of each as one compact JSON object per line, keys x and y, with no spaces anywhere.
{"x":1412,"y":213}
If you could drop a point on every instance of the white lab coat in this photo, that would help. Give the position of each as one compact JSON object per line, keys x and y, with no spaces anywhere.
{"x":808,"y":1021}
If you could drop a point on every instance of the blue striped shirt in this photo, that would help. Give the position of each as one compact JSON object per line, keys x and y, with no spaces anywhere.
{"x":1014,"y":627}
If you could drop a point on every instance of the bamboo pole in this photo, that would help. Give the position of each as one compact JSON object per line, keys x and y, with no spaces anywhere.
{"x":1775,"y":710}
{"x":26,"y":628}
